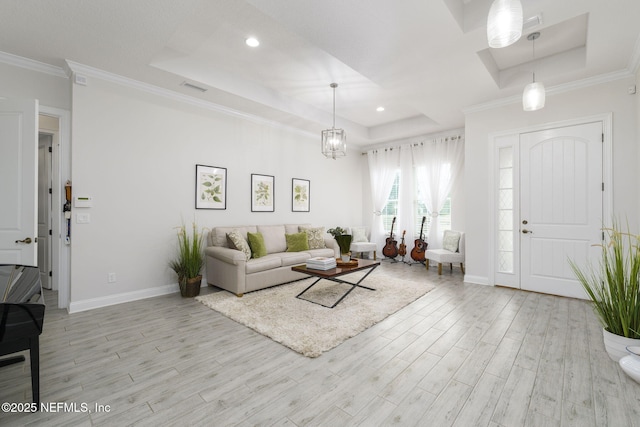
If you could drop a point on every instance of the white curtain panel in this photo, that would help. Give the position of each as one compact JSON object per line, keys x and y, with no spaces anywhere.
{"x":406,"y":197}
{"x":383,"y":165}
{"x":438,"y":164}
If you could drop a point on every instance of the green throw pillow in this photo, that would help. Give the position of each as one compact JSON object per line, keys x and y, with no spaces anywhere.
{"x":297,"y":242}
{"x":256,"y":243}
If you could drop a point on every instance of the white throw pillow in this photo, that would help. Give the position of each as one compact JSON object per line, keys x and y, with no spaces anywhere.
{"x":359,"y":234}
{"x":451,"y":240}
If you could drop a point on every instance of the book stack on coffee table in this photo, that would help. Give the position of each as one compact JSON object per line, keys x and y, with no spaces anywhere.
{"x":321,"y":263}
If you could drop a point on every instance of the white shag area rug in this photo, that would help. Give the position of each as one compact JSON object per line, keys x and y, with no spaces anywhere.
{"x":311,"y":329}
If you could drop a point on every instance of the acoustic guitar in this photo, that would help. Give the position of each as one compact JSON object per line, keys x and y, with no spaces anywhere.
{"x":402,"y":250}
{"x":417,"y":253}
{"x":390,"y":249}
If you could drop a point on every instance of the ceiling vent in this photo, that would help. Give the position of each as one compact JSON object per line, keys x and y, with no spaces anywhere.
{"x":192,"y":86}
{"x":532,"y":22}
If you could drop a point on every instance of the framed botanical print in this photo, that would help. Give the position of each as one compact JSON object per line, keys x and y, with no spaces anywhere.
{"x":211,"y":187}
{"x":300,"y":195}
{"x":262,"y":193}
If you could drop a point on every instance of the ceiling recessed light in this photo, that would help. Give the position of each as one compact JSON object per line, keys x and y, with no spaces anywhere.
{"x":379,"y":109}
{"x":252,"y":41}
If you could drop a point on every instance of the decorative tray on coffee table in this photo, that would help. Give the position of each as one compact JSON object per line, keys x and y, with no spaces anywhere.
{"x":350,"y":263}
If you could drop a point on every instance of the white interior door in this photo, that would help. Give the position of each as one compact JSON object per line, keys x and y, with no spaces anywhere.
{"x":560,"y":206}
{"x":18,"y":181}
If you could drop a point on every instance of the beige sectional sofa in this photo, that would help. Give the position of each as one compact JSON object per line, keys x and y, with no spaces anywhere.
{"x":229,"y":268}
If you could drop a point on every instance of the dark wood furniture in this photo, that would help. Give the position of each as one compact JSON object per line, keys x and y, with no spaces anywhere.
{"x":21,"y":318}
{"x":335,"y":273}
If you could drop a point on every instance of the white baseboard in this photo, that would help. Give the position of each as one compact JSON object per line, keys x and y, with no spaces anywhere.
{"x":90,"y":304}
{"x":478,"y":280}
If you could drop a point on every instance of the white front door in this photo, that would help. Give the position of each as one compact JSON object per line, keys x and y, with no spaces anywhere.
{"x":18,"y":181}
{"x":560,"y":206}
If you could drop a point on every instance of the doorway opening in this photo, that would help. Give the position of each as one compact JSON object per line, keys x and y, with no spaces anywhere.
{"x":45,"y":209}
{"x":54,"y":127}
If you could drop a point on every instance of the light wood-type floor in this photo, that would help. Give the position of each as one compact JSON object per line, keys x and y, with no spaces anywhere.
{"x":463,"y":355}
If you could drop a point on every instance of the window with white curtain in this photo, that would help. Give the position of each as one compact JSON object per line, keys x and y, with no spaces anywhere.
{"x":444,"y":218}
{"x":431,"y":169}
{"x":391,"y":207}
{"x":391,"y":210}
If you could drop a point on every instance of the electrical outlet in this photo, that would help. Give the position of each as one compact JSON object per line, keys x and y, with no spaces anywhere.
{"x":111,"y":278}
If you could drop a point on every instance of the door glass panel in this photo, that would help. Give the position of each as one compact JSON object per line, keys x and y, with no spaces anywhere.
{"x":505,"y":210}
{"x":505,"y":261}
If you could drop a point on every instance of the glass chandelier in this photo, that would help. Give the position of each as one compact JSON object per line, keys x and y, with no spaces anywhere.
{"x":504,"y":24}
{"x":534,"y":94}
{"x":334,"y":141}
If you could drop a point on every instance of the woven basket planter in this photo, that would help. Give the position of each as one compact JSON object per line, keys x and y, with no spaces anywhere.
{"x":191,"y":287}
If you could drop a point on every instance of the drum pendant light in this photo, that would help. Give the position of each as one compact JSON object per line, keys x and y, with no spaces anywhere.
{"x":534,"y":94}
{"x":504,"y":24}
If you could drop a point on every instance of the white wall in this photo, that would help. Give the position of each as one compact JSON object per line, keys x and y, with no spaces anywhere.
{"x":611,"y":97}
{"x":50,"y":90}
{"x":135,"y":154}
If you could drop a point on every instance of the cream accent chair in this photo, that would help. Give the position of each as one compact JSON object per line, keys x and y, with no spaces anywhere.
{"x":452,"y":251}
{"x":360,"y":242}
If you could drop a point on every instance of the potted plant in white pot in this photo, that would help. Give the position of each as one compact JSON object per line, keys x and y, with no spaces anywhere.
{"x":614,"y":288}
{"x":189,"y":261}
{"x":344,"y":242}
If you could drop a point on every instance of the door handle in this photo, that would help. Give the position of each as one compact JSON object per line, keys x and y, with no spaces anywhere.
{"x":27,"y":240}
{"x":525,"y":231}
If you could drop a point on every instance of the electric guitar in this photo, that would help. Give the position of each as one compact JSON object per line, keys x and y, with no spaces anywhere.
{"x":417,"y":253}
{"x":390,"y":249}
{"x":402,"y":250}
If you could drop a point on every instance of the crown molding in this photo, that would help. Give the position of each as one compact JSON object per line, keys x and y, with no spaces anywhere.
{"x":634,"y":61}
{"x":553,"y":90}
{"x":30,"y":64}
{"x":85,"y":70}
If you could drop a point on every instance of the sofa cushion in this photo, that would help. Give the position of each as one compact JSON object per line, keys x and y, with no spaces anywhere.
{"x":256,"y":242}
{"x":236,"y":241}
{"x":297,"y":242}
{"x":315,"y":236}
{"x":293,"y":258}
{"x":274,"y":239}
{"x":295,"y":228}
{"x":267,"y":262}
{"x":328,"y":252}
{"x":218,"y":235}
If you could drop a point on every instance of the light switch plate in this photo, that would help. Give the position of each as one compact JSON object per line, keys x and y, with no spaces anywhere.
{"x":83,"y":202}
{"x":83,"y":218}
